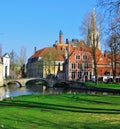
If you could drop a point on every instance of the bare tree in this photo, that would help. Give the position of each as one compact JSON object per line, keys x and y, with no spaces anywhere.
{"x":86,"y":23}
{"x":0,"y":50}
{"x":22,"y":61}
{"x":92,"y":32}
{"x":13,"y":64}
{"x":94,"y":41}
{"x":110,"y":6}
{"x":22,"y":58}
{"x":112,"y":10}
{"x":114,"y":44}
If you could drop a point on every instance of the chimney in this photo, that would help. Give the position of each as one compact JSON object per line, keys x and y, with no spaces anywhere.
{"x":67,"y":41}
{"x":35,"y":49}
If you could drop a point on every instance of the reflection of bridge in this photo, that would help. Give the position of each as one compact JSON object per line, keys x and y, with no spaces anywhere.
{"x":24,"y":81}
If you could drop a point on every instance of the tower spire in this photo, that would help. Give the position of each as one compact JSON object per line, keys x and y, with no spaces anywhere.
{"x":93,"y":31}
{"x":93,"y":21}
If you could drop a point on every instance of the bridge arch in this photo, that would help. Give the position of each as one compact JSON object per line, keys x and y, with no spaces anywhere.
{"x":35,"y":80}
{"x":14,"y":82}
{"x":24,"y":81}
{"x":17,"y":82}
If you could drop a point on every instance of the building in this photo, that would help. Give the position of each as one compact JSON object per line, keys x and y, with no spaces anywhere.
{"x":93,"y":36}
{"x":1,"y":72}
{"x":6,"y":65}
{"x":71,"y":60}
{"x":78,"y":65}
{"x":45,"y":62}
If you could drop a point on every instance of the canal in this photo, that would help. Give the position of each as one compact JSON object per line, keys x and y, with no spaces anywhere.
{"x":14,"y":90}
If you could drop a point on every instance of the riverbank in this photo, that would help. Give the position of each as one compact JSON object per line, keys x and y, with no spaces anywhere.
{"x":91,"y":87}
{"x":63,"y":111}
{"x":104,"y":85}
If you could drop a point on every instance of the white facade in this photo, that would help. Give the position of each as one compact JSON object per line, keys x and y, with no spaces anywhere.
{"x":6,"y":65}
{"x":1,"y":72}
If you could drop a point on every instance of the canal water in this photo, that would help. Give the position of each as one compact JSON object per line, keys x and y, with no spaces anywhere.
{"x":14,"y":90}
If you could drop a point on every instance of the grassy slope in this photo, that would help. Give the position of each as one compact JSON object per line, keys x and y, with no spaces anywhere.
{"x":103,"y":85}
{"x":65,"y":111}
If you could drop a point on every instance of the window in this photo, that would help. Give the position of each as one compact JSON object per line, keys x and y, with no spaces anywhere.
{"x":79,"y":75}
{"x":85,"y":57}
{"x":86,"y":73}
{"x":77,"y":57}
{"x":86,"y":66}
{"x":79,"y":66}
{"x":73,"y":75}
{"x":73,"y":65}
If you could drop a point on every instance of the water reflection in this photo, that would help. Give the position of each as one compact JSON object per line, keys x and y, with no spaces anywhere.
{"x":14,"y":90}
{"x":3,"y":93}
{"x":54,"y":90}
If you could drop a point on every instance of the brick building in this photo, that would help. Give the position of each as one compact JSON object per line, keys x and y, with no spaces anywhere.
{"x":71,"y":60}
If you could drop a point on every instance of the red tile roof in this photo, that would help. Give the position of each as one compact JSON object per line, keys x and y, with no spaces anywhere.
{"x":38,"y":53}
{"x":44,"y":51}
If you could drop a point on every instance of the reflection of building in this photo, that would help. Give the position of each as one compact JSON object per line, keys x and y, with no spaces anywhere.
{"x":4,"y":93}
{"x":6,"y":65}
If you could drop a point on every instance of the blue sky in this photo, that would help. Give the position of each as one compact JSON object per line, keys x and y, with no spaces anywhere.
{"x":36,"y":23}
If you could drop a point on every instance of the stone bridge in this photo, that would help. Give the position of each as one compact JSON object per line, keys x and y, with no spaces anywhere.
{"x":23,"y":81}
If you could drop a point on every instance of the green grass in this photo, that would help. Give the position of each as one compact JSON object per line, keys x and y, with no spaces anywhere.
{"x":64,"y":111}
{"x":104,"y":85}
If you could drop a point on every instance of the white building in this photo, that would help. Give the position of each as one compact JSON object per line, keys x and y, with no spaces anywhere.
{"x":6,"y":65}
{"x":1,"y":72}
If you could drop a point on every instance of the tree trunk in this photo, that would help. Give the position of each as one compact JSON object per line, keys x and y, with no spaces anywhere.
{"x":95,"y":66}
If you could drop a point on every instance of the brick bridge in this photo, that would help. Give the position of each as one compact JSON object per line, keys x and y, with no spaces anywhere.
{"x":23,"y":81}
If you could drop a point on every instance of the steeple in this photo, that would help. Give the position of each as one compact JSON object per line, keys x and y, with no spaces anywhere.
{"x":93,"y":32}
{"x":93,"y":21}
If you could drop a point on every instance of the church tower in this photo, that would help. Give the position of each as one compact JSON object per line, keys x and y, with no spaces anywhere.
{"x":60,"y":37}
{"x":93,"y":32}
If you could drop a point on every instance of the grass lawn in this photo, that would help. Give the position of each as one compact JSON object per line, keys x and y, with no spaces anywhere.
{"x":104,"y":85}
{"x":64,"y":111}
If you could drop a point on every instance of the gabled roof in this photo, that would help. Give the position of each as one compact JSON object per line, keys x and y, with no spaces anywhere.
{"x":6,"y":55}
{"x":39,"y":53}
{"x":101,"y":60}
{"x":44,"y":51}
{"x":80,"y":48}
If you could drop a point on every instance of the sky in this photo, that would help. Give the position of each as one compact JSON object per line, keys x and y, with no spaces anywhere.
{"x":36,"y":23}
